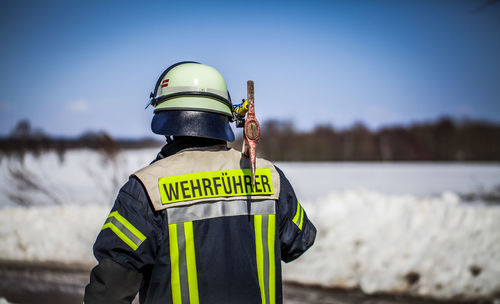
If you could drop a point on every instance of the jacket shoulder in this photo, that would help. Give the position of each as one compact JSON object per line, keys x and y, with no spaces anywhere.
{"x":191,"y":163}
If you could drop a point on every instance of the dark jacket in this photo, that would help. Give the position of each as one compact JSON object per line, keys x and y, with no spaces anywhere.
{"x":224,"y":259}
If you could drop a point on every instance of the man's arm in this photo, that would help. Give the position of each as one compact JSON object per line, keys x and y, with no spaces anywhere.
{"x":110,"y":282}
{"x":297,"y":233}
{"x":126,"y":245}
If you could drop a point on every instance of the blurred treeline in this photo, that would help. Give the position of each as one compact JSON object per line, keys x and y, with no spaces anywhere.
{"x":442,"y":140}
{"x":23,"y":138}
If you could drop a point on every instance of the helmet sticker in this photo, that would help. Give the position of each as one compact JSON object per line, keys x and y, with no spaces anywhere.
{"x":164,"y":83}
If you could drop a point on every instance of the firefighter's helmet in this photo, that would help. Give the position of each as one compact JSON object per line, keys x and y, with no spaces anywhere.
{"x":191,"y":99}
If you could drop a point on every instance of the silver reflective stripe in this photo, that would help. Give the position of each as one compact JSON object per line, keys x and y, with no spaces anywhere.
{"x":207,"y":210}
{"x":172,"y":90}
{"x":181,"y":243}
{"x":124,"y":230}
{"x":300,"y":217}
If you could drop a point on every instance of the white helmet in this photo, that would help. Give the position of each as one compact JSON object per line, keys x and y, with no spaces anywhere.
{"x":191,"y":99}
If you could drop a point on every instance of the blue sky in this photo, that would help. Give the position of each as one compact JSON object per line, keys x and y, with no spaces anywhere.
{"x":73,"y":66}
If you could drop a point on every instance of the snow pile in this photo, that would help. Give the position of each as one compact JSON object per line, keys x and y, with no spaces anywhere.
{"x":62,"y":234}
{"x":438,"y":247}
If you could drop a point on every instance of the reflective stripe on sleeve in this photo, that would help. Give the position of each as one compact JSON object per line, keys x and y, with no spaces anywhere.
{"x":301,"y":217}
{"x":184,"y":278}
{"x":265,"y":256}
{"x":298,"y":219}
{"x":124,"y":230}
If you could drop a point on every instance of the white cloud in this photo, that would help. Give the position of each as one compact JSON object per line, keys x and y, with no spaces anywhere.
{"x":79,"y":106}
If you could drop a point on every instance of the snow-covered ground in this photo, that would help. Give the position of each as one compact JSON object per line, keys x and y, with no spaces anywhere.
{"x":314,"y":180}
{"x":381,"y":227}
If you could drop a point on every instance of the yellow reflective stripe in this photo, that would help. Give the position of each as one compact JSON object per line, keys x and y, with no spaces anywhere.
{"x":124,"y":230}
{"x":259,"y":255}
{"x":187,"y":187}
{"x":191,"y":263}
{"x":301,"y":217}
{"x":174,"y":265}
{"x":265,"y":231}
{"x":127,"y":224}
{"x":120,"y":234}
{"x":184,"y":277}
{"x":270,"y":241}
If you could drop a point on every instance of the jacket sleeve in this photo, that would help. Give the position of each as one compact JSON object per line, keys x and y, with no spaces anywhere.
{"x":125,"y":247}
{"x":297,"y":233}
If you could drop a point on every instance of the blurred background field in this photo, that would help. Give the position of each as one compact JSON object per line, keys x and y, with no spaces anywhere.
{"x":425,"y":229}
{"x":384,"y":115}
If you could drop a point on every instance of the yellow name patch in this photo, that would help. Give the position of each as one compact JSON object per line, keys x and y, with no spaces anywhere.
{"x":210,"y":184}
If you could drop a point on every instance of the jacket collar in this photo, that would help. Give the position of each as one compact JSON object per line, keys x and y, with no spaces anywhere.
{"x":181,"y":143}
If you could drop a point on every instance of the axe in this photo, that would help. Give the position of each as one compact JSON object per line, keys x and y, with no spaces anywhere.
{"x":251,"y":129}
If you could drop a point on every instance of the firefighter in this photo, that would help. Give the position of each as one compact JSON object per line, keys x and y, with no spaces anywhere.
{"x":191,"y":227}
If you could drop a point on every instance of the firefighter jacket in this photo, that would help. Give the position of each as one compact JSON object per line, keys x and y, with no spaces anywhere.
{"x":191,"y":228}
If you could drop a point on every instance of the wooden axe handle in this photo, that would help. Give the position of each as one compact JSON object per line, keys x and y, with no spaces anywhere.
{"x":252,"y":130}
